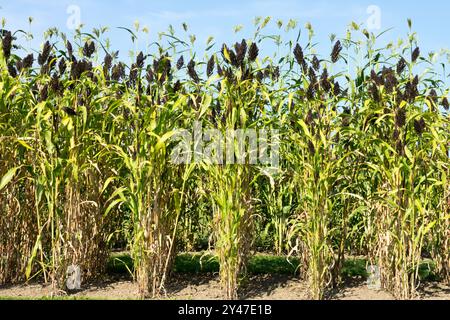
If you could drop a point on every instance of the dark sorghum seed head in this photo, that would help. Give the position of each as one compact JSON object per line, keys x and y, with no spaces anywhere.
{"x":88,"y":49}
{"x":247,"y":75}
{"x":133,"y":74}
{"x":336,"y":52}
{"x":390,"y":82}
{"x":311,"y":91}
{"x":276,"y":73}
{"x":69,"y":50}
{"x":71,"y":112}
{"x":445,"y":103}
{"x":312,"y":75}
{"x":233,"y":59}
{"x":56,"y":85}
{"x":241,"y":51}
{"x":326,"y":85}
{"x":140,"y":60}
{"x":27,"y":62}
{"x":433,"y":96}
{"x":311,"y":147}
{"x":7,"y":44}
{"x":118,"y":72}
{"x":375,"y":93}
{"x":376,"y":78}
{"x":260,"y":76}
{"x":411,"y":91}
{"x":253,"y":52}
{"x":191,"y":71}
{"x":419,"y":126}
{"x":219,"y":70}
{"x":298,"y":54}
{"x":92,"y":48}
{"x":401,"y":65}
{"x":309,"y":118}
{"x":43,"y":57}
{"x":12,"y":70}
{"x":51,"y":62}
{"x":149,"y":76}
{"x":107,"y":62}
{"x":177,"y":86}
{"x":230,"y":76}
{"x":337,"y":89}
{"x":400,"y":117}
{"x":43,"y":93}
{"x":399,"y":147}
{"x":210,"y":66}
{"x":316,"y":63}
{"x":19,"y":65}
{"x":180,"y":63}
{"x":396,"y":134}
{"x":415,"y":54}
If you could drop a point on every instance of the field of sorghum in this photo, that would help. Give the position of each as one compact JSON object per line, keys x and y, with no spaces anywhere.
{"x":86,"y":143}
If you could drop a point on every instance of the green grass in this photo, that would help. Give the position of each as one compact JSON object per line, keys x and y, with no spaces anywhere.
{"x":121,"y":263}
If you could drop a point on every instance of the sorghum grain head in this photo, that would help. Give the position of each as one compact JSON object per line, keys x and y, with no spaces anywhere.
{"x":118,"y":72}
{"x":400,"y":148}
{"x":337,"y":89}
{"x":376,"y":78}
{"x":375,"y":93}
{"x":177,"y":86}
{"x":311,"y":147}
{"x":316,"y":63}
{"x":219,"y":70}
{"x":149,"y":76}
{"x":27,"y":62}
{"x":401,"y":65}
{"x":180,"y":63}
{"x":210,"y":66}
{"x":415,"y":54}
{"x":325,"y":83}
{"x":88,"y":49}
{"x":69,"y":50}
{"x":107,"y":62}
{"x":312,"y":75}
{"x":191,"y":71}
{"x":241,"y":51}
{"x":336,"y":52}
{"x":298,"y":54}
{"x":253,"y":52}
{"x":419,"y":126}
{"x":19,"y":65}
{"x":396,"y":134}
{"x":445,"y":103}
{"x":140,"y":60}
{"x":7,"y":44}
{"x":71,"y":112}
{"x":310,"y":92}
{"x":43,"y":57}
{"x":276,"y":73}
{"x":12,"y":70}
{"x":400,"y":117}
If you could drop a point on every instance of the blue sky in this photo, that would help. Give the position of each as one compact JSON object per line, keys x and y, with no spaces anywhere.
{"x":205,"y":18}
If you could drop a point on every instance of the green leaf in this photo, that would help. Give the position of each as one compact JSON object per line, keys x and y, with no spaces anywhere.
{"x":8,"y":177}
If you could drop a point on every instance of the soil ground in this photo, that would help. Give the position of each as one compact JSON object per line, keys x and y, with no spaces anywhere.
{"x":207,"y":287}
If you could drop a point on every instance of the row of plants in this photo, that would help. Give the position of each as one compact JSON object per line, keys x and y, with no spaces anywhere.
{"x":88,"y":143}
